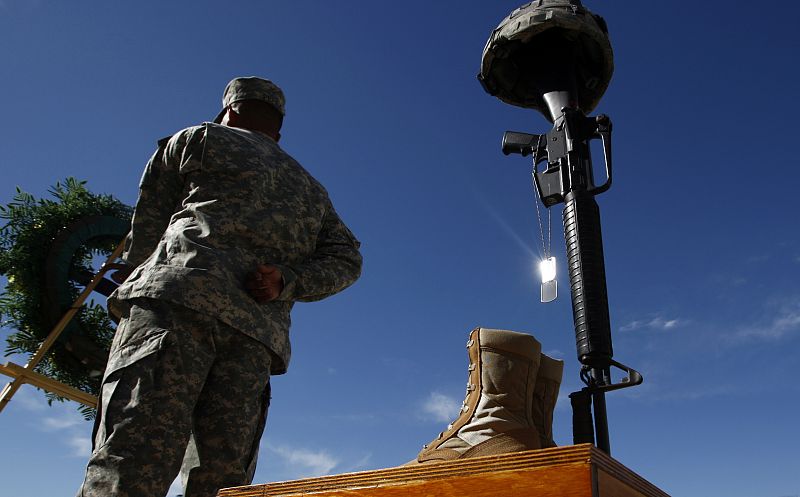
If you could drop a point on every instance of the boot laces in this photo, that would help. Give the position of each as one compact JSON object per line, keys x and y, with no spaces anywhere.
{"x":464,"y":405}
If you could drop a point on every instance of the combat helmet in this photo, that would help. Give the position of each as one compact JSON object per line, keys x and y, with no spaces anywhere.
{"x":537,"y":41}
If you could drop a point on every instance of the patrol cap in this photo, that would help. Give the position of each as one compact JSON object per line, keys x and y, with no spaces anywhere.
{"x":252,"y":88}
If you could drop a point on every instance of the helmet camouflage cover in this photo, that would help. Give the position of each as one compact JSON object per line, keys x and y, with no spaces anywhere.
{"x":512,"y":56}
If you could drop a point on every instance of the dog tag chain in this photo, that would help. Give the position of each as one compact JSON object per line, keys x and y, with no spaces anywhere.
{"x":547,"y":265}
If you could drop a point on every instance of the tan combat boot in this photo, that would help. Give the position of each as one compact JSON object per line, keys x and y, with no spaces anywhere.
{"x":497,"y":414}
{"x":545,"y":395}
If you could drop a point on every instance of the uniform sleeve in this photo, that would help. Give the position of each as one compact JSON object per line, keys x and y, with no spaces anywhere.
{"x":334,"y":265}
{"x":160,"y":193}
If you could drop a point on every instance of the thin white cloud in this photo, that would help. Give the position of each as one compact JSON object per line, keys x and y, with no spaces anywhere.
{"x":702,"y":393}
{"x":73,"y":430}
{"x":62,"y":422}
{"x":81,"y":445}
{"x":633,"y":325}
{"x":785,"y":321}
{"x":360,"y":464}
{"x":306,"y":462}
{"x":554,"y":353}
{"x":440,"y":407}
{"x":657,"y":323}
{"x":29,"y":399}
{"x":653,"y":391}
{"x":563,"y":402}
{"x":62,"y":419}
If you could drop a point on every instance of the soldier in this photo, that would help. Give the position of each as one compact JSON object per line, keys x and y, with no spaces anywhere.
{"x":228,"y":232}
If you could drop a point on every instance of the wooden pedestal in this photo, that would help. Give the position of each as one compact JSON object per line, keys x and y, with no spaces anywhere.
{"x":571,"y":471}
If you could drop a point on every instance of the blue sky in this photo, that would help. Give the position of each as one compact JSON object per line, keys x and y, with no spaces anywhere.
{"x":700,"y":231}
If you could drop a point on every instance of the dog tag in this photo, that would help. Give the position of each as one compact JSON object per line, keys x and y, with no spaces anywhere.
{"x":549,"y":283}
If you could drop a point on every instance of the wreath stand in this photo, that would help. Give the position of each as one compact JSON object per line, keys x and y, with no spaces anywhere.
{"x":26,"y":374}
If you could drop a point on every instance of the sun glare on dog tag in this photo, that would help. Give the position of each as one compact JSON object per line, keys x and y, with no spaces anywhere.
{"x":547,"y":268}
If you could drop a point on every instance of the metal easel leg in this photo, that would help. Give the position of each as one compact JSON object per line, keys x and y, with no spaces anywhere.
{"x":26,"y":374}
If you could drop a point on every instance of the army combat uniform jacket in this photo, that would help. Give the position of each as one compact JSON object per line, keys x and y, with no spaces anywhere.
{"x":214,"y":203}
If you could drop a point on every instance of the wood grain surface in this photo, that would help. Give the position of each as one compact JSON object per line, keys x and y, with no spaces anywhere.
{"x":571,"y":471}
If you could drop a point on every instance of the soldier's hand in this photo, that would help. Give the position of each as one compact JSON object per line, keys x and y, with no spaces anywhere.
{"x":265,"y":283}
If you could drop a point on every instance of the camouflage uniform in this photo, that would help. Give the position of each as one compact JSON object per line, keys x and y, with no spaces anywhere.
{"x":214,"y":203}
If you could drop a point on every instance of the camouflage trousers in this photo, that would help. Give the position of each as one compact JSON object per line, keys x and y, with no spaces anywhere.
{"x":173,"y":372}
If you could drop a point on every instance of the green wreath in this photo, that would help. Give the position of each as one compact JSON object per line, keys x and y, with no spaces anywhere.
{"x":46,"y":252}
